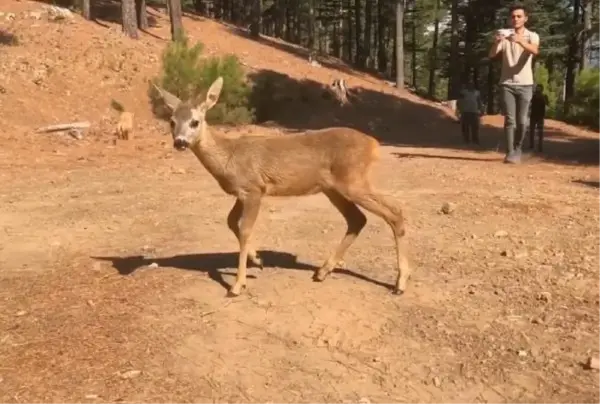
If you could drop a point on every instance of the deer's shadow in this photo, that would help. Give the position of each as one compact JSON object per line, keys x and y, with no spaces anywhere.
{"x":213,"y":263}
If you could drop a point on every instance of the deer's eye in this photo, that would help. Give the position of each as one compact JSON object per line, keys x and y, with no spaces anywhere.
{"x":194,"y":124}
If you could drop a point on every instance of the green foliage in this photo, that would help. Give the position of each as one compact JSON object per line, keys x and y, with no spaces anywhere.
{"x":188,"y":76}
{"x":586,"y":103}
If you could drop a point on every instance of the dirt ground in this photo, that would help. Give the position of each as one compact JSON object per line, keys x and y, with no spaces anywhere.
{"x":115,"y":258}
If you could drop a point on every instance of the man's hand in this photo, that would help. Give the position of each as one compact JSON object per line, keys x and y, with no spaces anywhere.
{"x":525,"y":43}
{"x":516,"y":38}
{"x":498,"y":37}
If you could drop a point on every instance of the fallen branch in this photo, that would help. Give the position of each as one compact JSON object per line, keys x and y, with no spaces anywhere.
{"x":63,"y":126}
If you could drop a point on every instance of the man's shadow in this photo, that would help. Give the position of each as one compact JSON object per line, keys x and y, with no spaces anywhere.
{"x":213,"y":263}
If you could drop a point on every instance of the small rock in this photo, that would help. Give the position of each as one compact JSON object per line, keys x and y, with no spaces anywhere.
{"x":537,"y":320}
{"x":91,"y":303}
{"x":506,"y":253}
{"x":501,"y":234}
{"x":364,"y":400}
{"x":130,"y":374}
{"x":448,"y":207}
{"x":437,"y":382}
{"x":153,"y":265}
{"x":91,"y":396}
{"x":20,"y":313}
{"x":179,"y":171}
{"x":544,"y":297}
{"x":522,"y":353}
{"x":593,"y":363}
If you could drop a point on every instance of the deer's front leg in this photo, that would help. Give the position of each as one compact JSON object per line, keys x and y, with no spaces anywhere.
{"x":233,"y":222}
{"x":250,"y":206}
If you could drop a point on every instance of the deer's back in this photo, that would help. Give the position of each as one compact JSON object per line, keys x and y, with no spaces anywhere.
{"x":302,"y":164}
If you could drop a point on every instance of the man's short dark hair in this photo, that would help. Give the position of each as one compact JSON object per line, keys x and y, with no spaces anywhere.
{"x":517,"y":7}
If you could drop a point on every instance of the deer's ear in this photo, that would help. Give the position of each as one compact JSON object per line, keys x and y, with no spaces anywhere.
{"x":170,"y":100}
{"x":212,"y":96}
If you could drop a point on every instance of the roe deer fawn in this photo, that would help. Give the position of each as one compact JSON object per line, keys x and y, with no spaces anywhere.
{"x":334,"y":161}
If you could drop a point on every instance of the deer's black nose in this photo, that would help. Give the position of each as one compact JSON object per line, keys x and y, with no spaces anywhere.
{"x":180,"y":144}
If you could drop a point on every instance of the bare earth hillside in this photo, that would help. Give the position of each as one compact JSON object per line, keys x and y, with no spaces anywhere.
{"x":115,"y":256}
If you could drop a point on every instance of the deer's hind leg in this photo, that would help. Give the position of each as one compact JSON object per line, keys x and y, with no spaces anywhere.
{"x":355,"y":220}
{"x":388,"y":210}
{"x":233,"y":222}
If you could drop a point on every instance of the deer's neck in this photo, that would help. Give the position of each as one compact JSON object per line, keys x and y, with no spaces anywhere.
{"x":212,"y":152}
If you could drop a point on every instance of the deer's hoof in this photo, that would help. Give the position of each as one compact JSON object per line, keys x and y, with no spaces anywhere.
{"x":235,"y":290}
{"x":256,"y":260}
{"x":398,"y":292}
{"x":320,"y":275}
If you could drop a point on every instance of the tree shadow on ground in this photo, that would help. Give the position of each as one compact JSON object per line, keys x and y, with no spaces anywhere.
{"x":307,"y":105}
{"x":213,"y":263}
{"x":591,"y":184}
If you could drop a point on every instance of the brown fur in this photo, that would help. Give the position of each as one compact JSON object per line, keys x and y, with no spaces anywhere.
{"x":125,"y":126}
{"x":332,"y":161}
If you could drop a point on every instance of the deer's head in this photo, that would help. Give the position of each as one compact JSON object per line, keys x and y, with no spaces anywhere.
{"x":188,"y":123}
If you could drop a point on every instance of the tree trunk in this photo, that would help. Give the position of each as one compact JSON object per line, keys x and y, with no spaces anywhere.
{"x":433,"y":52}
{"x":366,"y":48}
{"x":86,"y":9}
{"x":470,"y":40}
{"x":175,"y":15}
{"x":400,"y":44}
{"x":360,"y":57}
{"x":128,"y":18}
{"x":199,"y":7}
{"x":312,"y":30}
{"x":382,"y":59}
{"x":349,"y":33}
{"x":454,"y":65}
{"x":142,"y":15}
{"x":413,"y":63}
{"x":289,"y":22}
{"x":571,"y":64}
{"x":256,"y":26}
{"x":279,"y":18}
{"x":586,"y":35}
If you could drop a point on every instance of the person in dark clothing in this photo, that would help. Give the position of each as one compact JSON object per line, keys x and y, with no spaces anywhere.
{"x":470,"y":107}
{"x":536,"y":117}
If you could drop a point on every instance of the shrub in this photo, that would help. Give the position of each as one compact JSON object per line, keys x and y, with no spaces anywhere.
{"x":586,"y":103}
{"x":185,"y":74}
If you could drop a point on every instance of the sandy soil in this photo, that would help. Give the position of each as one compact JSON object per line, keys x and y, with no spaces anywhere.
{"x":115,"y":258}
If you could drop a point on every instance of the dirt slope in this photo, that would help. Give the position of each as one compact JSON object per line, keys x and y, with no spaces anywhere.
{"x":114,"y":259}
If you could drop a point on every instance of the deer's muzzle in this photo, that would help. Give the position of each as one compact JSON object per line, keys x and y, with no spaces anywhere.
{"x":181,"y":144}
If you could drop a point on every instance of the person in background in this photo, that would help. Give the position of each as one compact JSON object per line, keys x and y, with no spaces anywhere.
{"x":470,"y":107}
{"x":536,"y":117}
{"x":518,"y":47}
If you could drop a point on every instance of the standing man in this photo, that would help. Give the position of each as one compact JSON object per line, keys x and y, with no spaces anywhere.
{"x":518,"y":46}
{"x":536,"y":118}
{"x":470,"y":106}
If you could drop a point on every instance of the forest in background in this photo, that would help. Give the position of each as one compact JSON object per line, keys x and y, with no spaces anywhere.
{"x":432,"y":47}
